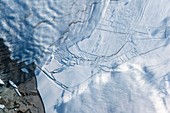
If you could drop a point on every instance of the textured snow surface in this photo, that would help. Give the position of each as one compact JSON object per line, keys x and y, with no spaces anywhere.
{"x":93,"y":56}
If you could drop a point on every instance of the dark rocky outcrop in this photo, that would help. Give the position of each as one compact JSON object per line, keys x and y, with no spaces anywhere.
{"x":30,"y":101}
{"x":10,"y":69}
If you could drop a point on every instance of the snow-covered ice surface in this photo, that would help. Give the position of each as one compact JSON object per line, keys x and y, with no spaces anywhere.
{"x":93,"y":56}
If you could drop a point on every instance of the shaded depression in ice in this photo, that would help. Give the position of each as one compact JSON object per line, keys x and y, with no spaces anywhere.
{"x":99,"y":31}
{"x":33,"y":28}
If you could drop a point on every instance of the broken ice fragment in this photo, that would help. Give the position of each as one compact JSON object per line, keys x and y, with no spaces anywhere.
{"x":24,"y":70}
{"x":1,"y":82}
{"x":17,"y":91}
{"x":13,"y":84}
{"x":15,"y":87}
{"x":2,"y":106}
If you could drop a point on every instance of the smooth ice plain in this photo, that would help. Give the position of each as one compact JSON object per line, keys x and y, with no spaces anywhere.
{"x":93,"y":56}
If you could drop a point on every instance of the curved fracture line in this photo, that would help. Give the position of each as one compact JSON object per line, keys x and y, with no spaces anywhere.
{"x":51,"y":77}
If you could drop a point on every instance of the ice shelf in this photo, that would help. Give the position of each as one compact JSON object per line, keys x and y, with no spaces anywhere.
{"x":93,"y":56}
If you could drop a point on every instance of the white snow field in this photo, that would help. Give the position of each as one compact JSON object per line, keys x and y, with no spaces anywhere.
{"x":93,"y":56}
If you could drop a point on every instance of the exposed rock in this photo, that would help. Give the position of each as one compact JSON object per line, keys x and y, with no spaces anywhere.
{"x":30,"y":101}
